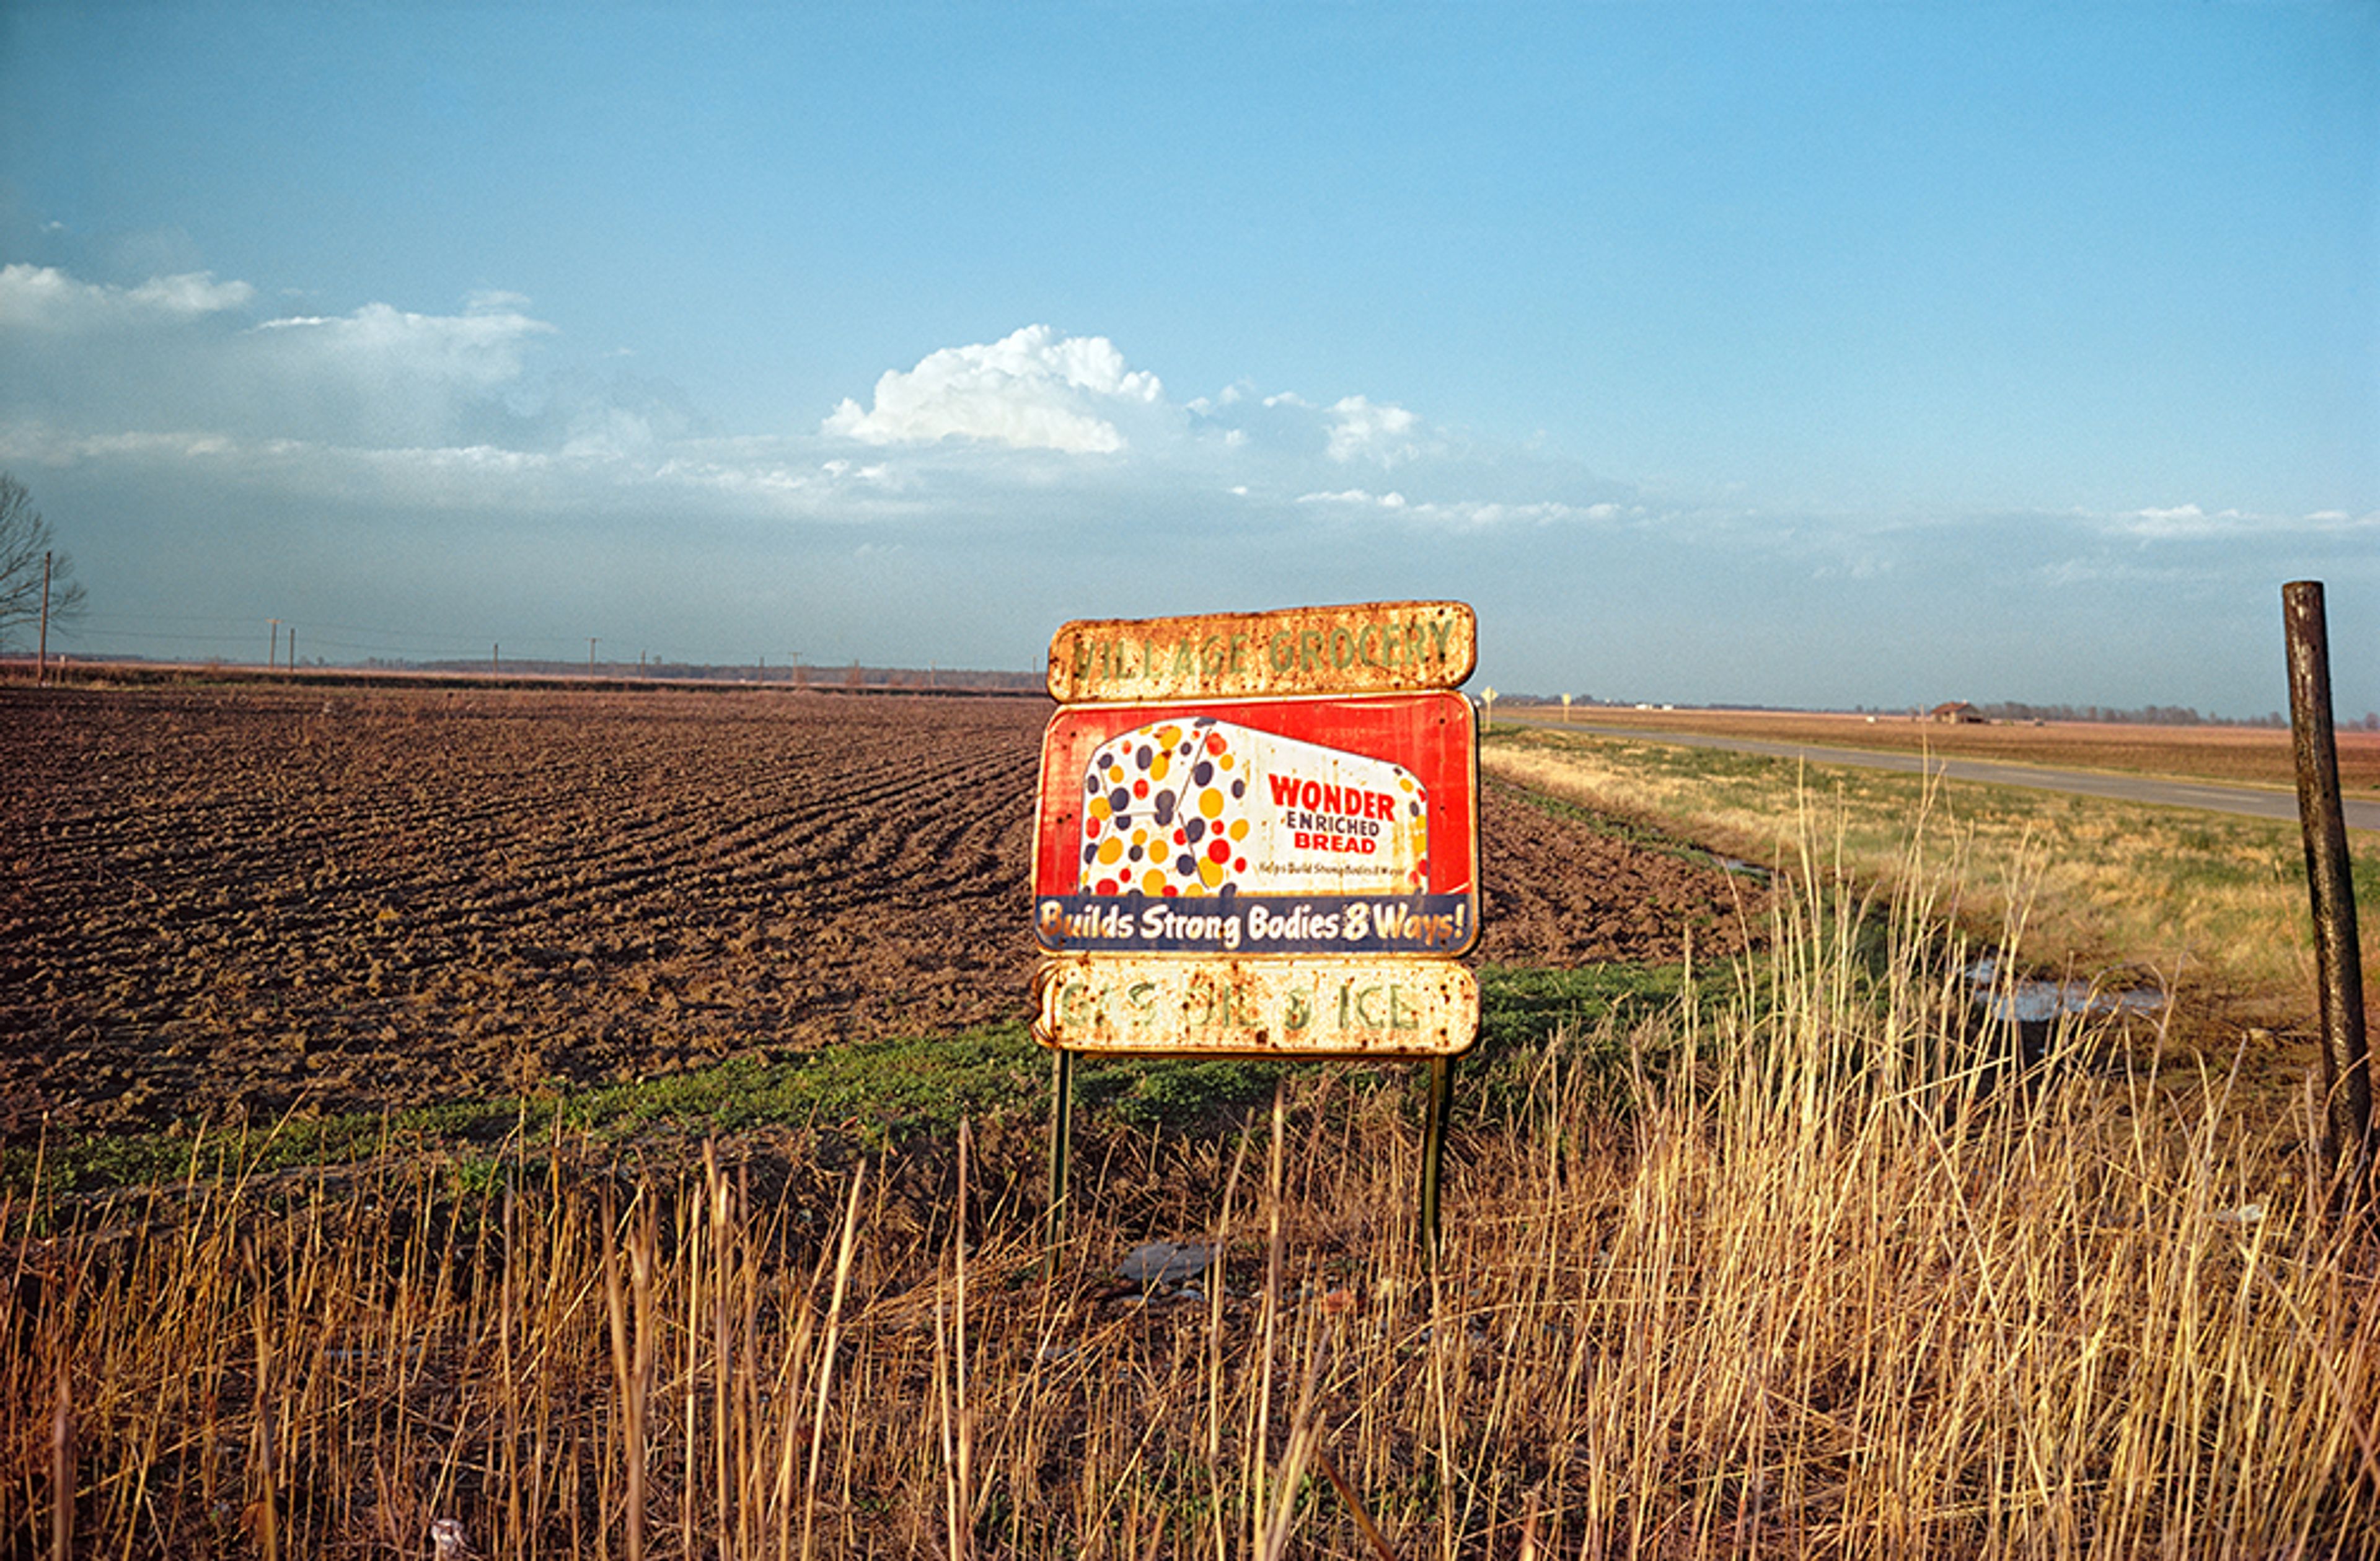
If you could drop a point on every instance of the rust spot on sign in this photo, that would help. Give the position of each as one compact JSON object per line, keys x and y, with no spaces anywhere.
{"x":1393,"y":1007}
{"x":1371,"y":648}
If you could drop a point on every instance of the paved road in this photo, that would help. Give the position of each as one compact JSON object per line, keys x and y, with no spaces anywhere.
{"x":2250,"y":800}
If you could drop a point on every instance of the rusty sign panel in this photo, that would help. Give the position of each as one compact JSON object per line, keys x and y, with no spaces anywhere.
{"x":1371,"y":648}
{"x":1386,"y":1008}
{"x":1346,"y":826}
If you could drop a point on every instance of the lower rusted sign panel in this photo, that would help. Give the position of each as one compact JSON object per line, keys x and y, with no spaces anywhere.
{"x":1394,"y":1007}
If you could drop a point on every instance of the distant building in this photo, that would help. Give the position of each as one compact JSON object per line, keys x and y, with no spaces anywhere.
{"x":1958,"y":712}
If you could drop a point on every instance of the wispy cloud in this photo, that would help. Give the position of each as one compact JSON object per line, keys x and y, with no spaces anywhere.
{"x":1037,"y":422}
{"x":45,"y":299}
{"x":1027,"y":479}
{"x":479,"y":350}
{"x":2192,"y":522}
{"x":1472,"y":514}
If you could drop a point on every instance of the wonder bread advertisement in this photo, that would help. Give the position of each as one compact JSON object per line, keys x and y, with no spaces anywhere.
{"x":1343,"y":825}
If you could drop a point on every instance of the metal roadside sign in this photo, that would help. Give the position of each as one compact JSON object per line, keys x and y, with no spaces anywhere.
{"x":1302,"y":787}
{"x":1258,"y":835}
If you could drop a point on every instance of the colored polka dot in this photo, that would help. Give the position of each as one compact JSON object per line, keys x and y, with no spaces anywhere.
{"x":1186,"y":786}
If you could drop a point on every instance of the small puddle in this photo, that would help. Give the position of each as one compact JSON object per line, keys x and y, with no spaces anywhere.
{"x":1165,"y":1263}
{"x":2028,"y":1001}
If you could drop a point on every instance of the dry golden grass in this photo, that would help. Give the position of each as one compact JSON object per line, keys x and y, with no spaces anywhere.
{"x":2201,"y":900}
{"x":1840,"y":1284}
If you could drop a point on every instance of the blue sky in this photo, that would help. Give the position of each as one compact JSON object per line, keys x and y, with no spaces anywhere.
{"x":1827,"y":354}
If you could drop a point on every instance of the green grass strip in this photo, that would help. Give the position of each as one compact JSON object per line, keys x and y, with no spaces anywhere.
{"x":872,"y":1095}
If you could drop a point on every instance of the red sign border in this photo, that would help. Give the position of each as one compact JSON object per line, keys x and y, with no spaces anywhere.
{"x":1057,"y":825}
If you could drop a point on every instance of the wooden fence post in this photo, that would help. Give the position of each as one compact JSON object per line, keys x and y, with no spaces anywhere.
{"x":2347,"y":1144}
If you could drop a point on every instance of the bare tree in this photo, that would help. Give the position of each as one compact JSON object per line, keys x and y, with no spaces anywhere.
{"x":26,"y":555}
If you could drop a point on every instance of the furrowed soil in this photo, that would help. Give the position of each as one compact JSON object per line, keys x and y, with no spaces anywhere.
{"x":216,"y":902}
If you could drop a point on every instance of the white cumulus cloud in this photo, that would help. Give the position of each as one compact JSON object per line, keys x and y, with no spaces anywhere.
{"x":1031,"y":390}
{"x":1382,"y":432}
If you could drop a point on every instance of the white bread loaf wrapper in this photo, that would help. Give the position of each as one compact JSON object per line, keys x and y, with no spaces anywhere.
{"x":1200,"y":806}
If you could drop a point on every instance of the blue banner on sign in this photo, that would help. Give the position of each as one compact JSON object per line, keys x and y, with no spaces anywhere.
{"x":1255,"y":924}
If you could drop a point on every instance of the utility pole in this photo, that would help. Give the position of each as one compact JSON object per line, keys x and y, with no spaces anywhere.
{"x":496,"y":658}
{"x":590,"y":654}
{"x":272,"y":656}
{"x":42,"y":657}
{"x":293,"y":647}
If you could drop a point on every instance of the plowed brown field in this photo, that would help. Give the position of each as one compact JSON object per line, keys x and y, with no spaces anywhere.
{"x":265,"y":898}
